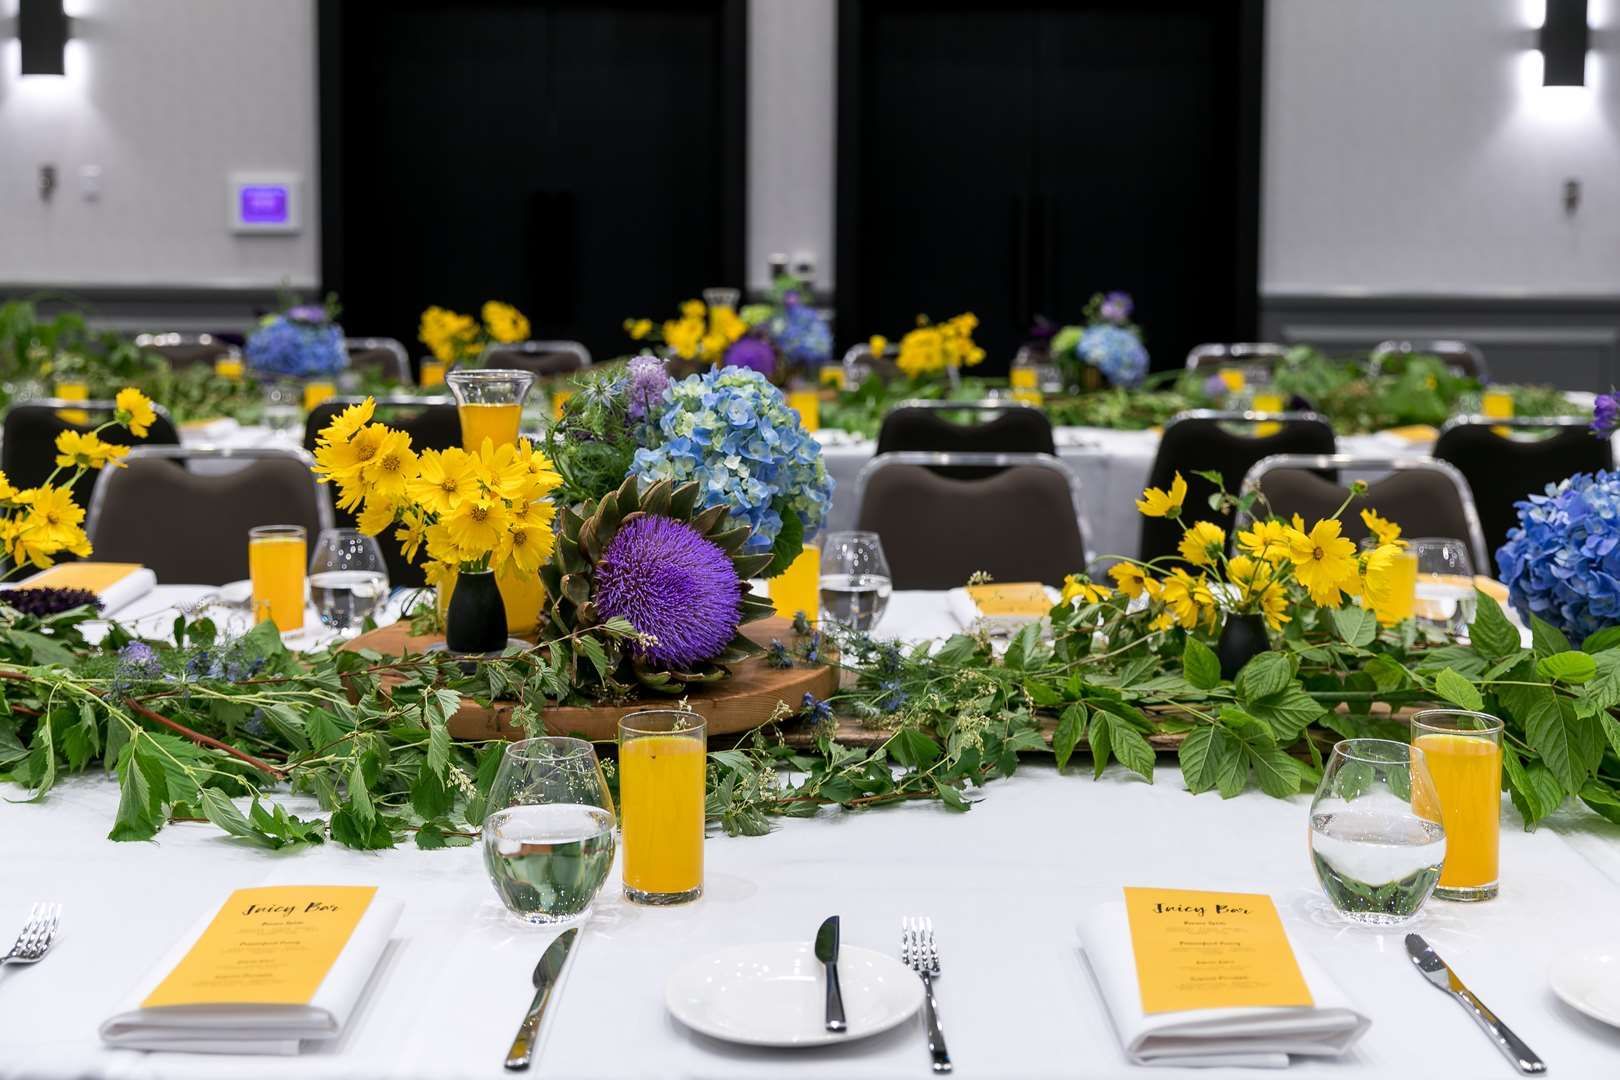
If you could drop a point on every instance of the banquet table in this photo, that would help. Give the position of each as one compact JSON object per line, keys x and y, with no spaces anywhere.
{"x":1112,"y":467}
{"x":1003,"y":883}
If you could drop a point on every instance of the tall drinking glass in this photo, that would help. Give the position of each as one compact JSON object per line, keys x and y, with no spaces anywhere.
{"x":490,"y":403}
{"x":855,"y":582}
{"x":1464,"y":751}
{"x":348,"y":578}
{"x":277,"y":555}
{"x":662,"y":763}
{"x":1445,"y":584}
{"x":548,"y":834}
{"x":794,"y":589}
{"x":1377,"y":838}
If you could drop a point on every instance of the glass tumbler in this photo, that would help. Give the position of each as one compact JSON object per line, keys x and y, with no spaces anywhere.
{"x":1464,"y":751}
{"x":1445,"y":584}
{"x":662,"y":766}
{"x":348,"y":579}
{"x":548,"y":830}
{"x":277,"y":556}
{"x":855,"y":582}
{"x":490,"y":404}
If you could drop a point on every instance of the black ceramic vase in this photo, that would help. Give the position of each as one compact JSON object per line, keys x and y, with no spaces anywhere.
{"x":476,"y":621}
{"x":1242,"y":639}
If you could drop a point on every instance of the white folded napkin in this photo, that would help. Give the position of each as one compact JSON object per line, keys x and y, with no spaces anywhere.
{"x":255,"y":1029}
{"x":969,"y":618}
{"x":114,"y":595}
{"x":1256,"y":1037}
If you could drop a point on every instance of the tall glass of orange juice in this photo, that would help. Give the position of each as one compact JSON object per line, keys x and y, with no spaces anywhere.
{"x":490,"y":402}
{"x":662,"y":762}
{"x":798,"y":588}
{"x":277,"y":557}
{"x":1464,"y":752}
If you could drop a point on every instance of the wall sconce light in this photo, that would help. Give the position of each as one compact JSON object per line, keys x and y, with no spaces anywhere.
{"x":1564,"y":38}
{"x":42,"y":27}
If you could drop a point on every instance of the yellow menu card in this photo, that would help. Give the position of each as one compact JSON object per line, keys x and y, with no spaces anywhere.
{"x":267,"y":946}
{"x":1211,"y":950}
{"x":1013,"y":598}
{"x":95,"y":576}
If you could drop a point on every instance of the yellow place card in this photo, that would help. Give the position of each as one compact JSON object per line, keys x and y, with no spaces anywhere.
{"x":1211,"y":950}
{"x":1013,"y":598}
{"x":95,"y":576}
{"x":267,"y":946}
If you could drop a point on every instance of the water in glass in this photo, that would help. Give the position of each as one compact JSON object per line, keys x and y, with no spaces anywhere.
{"x":855,"y":581}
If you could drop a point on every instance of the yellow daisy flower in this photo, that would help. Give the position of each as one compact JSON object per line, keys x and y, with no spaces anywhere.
{"x":411,"y":532}
{"x":7,"y":492}
{"x":346,"y":423}
{"x":1202,"y":543}
{"x":1266,"y":540}
{"x":1324,"y":562}
{"x":1189,"y":599}
{"x":377,"y":516}
{"x":505,"y":323}
{"x":1378,"y":582}
{"x":1075,"y":586}
{"x":477,"y":526}
{"x":391,"y":468}
{"x":1157,"y":503}
{"x":52,"y":514}
{"x":76,"y":450}
{"x":443,"y":479}
{"x":1385,"y":530}
{"x":134,"y":410}
{"x":1133,"y":580}
{"x":877,"y":343}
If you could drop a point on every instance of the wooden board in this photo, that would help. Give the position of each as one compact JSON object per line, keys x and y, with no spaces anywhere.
{"x":740,"y":703}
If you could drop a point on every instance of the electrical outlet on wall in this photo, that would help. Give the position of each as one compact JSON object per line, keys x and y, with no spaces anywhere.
{"x":47,"y":181}
{"x":90,"y":182}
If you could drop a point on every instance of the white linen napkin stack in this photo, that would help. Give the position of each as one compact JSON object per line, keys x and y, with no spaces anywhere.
{"x":1254,"y":1037}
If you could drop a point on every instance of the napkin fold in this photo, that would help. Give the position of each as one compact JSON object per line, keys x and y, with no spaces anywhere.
{"x":255,"y":1029}
{"x":1253,"y":1037}
{"x":117,"y":584}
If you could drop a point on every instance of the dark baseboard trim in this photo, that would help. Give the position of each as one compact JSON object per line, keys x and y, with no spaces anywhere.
{"x":1567,"y":341}
{"x":158,"y":307}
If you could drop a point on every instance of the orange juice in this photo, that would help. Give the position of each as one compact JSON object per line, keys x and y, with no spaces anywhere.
{"x":276,"y":563}
{"x":496,"y":422}
{"x":1467,"y":771}
{"x":74,"y":391}
{"x":1234,"y":379}
{"x":1026,"y":385}
{"x":433,"y":372}
{"x":1497,"y":404}
{"x":798,"y":588}
{"x":807,"y":403}
{"x":1267,"y":402}
{"x":229,"y":367}
{"x":1402,"y":588}
{"x":661,"y":811}
{"x":317,"y":392}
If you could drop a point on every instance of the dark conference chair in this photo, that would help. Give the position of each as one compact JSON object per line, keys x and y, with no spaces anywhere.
{"x":1506,"y":467}
{"x":1021,"y":523}
{"x":28,"y":447}
{"x":186,"y":350}
{"x":1423,"y":496}
{"x":1459,"y":356}
{"x":193,"y":527}
{"x":995,"y":427}
{"x":539,"y":358}
{"x":1205,"y":440}
{"x":383,"y":355}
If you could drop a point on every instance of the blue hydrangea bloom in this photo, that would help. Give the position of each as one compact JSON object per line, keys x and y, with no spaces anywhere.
{"x":1562,"y":562}
{"x":801,"y":334}
{"x":285,"y":347}
{"x":1115,"y":352}
{"x":732,"y":431}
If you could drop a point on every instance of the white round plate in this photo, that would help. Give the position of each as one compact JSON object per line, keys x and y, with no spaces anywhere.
{"x":775,"y":994}
{"x":236,"y":593}
{"x":1590,"y":983}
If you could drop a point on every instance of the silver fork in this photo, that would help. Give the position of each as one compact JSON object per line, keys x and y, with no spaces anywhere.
{"x":917,"y":952}
{"x":37,"y":934}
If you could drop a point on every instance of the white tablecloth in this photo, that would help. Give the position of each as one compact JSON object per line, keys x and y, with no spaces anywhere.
{"x":1003,"y":884}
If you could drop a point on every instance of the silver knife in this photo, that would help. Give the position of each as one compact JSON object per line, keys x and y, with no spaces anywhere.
{"x":546,"y":973}
{"x":827,"y":953}
{"x":1438,"y":972}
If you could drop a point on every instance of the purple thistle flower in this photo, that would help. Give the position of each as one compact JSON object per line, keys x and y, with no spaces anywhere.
{"x":307,"y":313}
{"x":42,"y":601}
{"x":1605,"y":414}
{"x":648,"y":381}
{"x":1116,"y":307}
{"x":668,"y":580}
{"x":752,"y":353}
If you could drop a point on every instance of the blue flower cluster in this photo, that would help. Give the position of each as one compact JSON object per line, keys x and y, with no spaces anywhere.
{"x":730,"y":429}
{"x":1562,"y":563}
{"x":801,"y":334}
{"x":286,"y":347}
{"x":1116,"y":352}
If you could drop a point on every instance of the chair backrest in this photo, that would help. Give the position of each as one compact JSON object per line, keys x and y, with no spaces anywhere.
{"x":192,"y":527}
{"x":1221,"y":354}
{"x":859,"y":363}
{"x":28,"y":446}
{"x":382,"y":354}
{"x":1021,"y":523}
{"x":1423,"y":496}
{"x":1207,"y":440}
{"x":186,"y":350}
{"x":537,"y":357}
{"x":1459,"y":356}
{"x":994,"y":427}
{"x":1505,"y":468}
{"x":431,"y":422}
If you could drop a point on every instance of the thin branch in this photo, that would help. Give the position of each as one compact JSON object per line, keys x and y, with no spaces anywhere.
{"x":207,"y":740}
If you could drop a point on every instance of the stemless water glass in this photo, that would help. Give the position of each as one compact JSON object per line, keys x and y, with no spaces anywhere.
{"x":548,"y":833}
{"x":662,"y":764}
{"x":855,"y":582}
{"x":283,"y":410}
{"x":1445,"y":584}
{"x":1377,"y":840}
{"x":1464,"y":751}
{"x":277,"y":555}
{"x":490,"y":404}
{"x":348,"y":579}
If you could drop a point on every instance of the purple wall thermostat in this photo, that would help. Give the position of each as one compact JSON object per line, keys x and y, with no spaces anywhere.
{"x":265,"y":203}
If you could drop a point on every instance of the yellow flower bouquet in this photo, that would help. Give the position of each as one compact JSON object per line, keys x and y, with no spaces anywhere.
{"x":702,"y":333}
{"x":39,"y":523}
{"x":454,"y":338}
{"x":933,"y":348}
{"x":487,"y":511}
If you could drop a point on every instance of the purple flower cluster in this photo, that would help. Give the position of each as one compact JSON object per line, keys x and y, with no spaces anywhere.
{"x":1606,"y":414}
{"x":648,"y":379}
{"x":671,"y":582}
{"x":41,"y":601}
{"x":752,"y":353}
{"x":1116,"y":307}
{"x":1562,"y":562}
